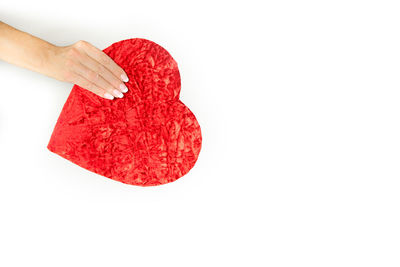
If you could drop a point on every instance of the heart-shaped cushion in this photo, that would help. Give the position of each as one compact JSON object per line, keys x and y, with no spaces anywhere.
{"x":148,"y":137}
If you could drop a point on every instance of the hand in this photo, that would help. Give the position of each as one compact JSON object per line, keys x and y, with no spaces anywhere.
{"x":80,"y":63}
{"x":89,"y":67}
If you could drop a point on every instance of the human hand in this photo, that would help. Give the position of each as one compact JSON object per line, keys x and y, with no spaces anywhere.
{"x":80,"y":63}
{"x":89,"y":67}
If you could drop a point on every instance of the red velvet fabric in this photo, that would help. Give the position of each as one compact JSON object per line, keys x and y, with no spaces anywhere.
{"x":148,"y":137}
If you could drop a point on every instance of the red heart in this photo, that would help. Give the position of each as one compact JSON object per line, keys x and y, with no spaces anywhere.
{"x":148,"y":137}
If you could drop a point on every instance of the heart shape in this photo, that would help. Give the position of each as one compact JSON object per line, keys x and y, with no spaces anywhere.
{"x":148,"y":137}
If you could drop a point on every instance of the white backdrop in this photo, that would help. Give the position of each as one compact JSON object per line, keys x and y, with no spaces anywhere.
{"x":299,"y":107}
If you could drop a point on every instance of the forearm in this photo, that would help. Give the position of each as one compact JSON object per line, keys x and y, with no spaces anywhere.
{"x":24,"y":50}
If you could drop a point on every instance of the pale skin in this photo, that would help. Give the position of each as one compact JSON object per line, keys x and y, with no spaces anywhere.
{"x":80,"y":63}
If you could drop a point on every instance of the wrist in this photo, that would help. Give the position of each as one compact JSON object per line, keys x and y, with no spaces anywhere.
{"x":48,"y":56}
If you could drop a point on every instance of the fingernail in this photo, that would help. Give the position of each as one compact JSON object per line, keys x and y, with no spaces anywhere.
{"x":118,"y":93}
{"x":108,"y":96}
{"x":123,"y":88}
{"x":124,"y":77}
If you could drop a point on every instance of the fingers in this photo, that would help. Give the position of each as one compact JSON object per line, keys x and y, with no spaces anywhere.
{"x":104,"y":60}
{"x":97,"y":72}
{"x":96,"y":79}
{"x":86,"y":84}
{"x":104,"y":73}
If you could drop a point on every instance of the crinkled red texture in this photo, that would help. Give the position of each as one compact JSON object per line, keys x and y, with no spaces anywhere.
{"x":148,"y":137}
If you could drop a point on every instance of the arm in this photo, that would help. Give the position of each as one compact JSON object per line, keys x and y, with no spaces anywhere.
{"x":80,"y":63}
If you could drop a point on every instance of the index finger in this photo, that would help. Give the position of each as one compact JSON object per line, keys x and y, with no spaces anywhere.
{"x":105,"y":60}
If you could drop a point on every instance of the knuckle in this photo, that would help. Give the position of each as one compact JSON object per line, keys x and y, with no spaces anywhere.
{"x":73,"y":52}
{"x":110,"y":91}
{"x":97,"y":90}
{"x":116,"y":83}
{"x":90,"y":86}
{"x":104,"y":60}
{"x":100,"y":69}
{"x":81,"y":44}
{"x":84,"y":85}
{"x":92,"y":75}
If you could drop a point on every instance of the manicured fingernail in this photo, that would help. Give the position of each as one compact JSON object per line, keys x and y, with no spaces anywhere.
{"x":108,"y":96}
{"x":123,"y":88}
{"x":118,"y":93}
{"x":124,"y":77}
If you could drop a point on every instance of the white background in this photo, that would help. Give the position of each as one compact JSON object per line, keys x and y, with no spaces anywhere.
{"x":299,"y":107}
